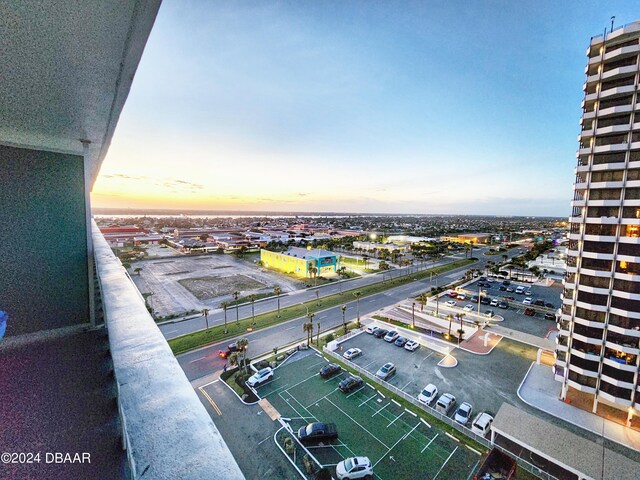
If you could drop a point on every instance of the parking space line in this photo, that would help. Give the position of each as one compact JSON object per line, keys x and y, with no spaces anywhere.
{"x":315,"y":402}
{"x":381,"y":408}
{"x":374,"y":396}
{"x":430,"y":442}
{"x":406,"y":435}
{"x":445,"y":462}
{"x":210,"y":383}
{"x":365,"y":366}
{"x":274,"y":391}
{"x":358,"y":423}
{"x":333,"y":378}
{"x":351,"y":394}
{"x":315,"y":365}
{"x":394,"y":420}
{"x":407,"y":384}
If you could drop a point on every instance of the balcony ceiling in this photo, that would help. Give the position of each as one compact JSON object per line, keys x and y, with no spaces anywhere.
{"x":66,"y":71}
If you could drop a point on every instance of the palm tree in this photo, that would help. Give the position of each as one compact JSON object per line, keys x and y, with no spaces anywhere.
{"x":344,"y":323}
{"x":314,"y":273}
{"x":318,"y":337}
{"x":243,"y":345}
{"x":278,"y":291}
{"x":232,"y":359}
{"x":422,"y":298}
{"x":365,"y":258}
{"x":236,"y":294}
{"x":358,"y":294}
{"x":224,"y":306}
{"x":137,"y":271}
{"x":450,"y":318}
{"x":205,"y":312}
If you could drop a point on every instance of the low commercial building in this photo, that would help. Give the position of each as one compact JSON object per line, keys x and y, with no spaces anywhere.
{"x":300,"y":261}
{"x":370,"y":246}
{"x":473,"y":238}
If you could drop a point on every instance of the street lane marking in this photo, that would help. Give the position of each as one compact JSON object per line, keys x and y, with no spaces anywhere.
{"x":213,"y":404}
{"x":291,"y":328}
{"x":197,"y":359}
{"x":171,"y":331}
{"x":210,"y":383}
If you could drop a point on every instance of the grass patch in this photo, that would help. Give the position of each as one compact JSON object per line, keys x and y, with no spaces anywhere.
{"x":257,"y":296}
{"x":215,"y":334}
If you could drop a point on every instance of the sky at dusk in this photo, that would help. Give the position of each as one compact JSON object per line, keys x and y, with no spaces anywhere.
{"x":450,"y":107}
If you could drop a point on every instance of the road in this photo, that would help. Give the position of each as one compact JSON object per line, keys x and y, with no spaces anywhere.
{"x":216,"y":317}
{"x":205,"y":360}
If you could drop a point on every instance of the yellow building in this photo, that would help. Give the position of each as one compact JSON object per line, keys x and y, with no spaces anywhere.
{"x":300,"y":261}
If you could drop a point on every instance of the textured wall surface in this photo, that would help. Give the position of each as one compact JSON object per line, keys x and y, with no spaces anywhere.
{"x":43,"y":252}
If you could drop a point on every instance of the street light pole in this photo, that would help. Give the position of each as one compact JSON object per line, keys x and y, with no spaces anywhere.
{"x":413,"y":315}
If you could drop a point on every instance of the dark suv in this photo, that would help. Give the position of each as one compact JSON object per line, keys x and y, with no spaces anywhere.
{"x":330,"y":370}
{"x":350,"y":383}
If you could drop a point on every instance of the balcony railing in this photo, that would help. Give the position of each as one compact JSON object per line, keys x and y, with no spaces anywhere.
{"x":166,"y":430}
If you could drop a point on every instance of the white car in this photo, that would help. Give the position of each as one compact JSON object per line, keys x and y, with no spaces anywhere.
{"x":451,"y":303}
{"x":528,"y":292}
{"x":352,"y":353}
{"x":428,"y":394}
{"x":468,"y":308}
{"x":461,"y":296}
{"x":354,"y":467}
{"x":527,"y":301}
{"x":494,"y":302}
{"x":386,"y":371}
{"x":391,"y":336}
{"x":371,"y":328}
{"x":482,"y":424}
{"x":260,"y":376}
{"x":489,"y":313}
{"x":463,"y":414}
{"x":411,"y":346}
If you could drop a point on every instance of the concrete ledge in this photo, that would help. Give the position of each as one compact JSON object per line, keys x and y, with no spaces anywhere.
{"x":167,"y":432}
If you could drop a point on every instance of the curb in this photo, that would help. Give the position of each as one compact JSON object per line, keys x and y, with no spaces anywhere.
{"x":236,"y":394}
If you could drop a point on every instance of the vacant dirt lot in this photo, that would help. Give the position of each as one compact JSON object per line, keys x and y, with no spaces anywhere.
{"x":178,"y":284}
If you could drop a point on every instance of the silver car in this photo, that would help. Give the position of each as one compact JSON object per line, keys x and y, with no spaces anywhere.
{"x":386,"y":371}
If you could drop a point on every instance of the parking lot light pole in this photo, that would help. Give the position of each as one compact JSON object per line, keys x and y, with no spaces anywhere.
{"x":413,"y":315}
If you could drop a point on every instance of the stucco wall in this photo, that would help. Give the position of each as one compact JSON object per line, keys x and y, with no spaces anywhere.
{"x":43,"y":252}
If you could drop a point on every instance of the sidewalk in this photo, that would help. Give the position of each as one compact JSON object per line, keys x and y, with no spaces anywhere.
{"x":541,"y":391}
{"x":476,"y":343}
{"x":522,"y":337}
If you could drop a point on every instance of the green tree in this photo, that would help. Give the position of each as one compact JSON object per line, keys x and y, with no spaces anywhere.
{"x":277,"y":292}
{"x":422,"y":299}
{"x":243,"y":346}
{"x":137,"y":271}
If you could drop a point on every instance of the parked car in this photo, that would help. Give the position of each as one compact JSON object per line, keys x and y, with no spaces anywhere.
{"x":330,"y":370}
{"x":428,"y":394}
{"x":529,"y":312}
{"x":526,"y":301}
{"x":411,"y":346}
{"x":387,"y":371}
{"x":452,"y":293}
{"x":520,"y":290}
{"x":485,"y":300}
{"x":475,"y":299}
{"x":400,"y":341}
{"x":468,"y":308}
{"x":550,"y":305}
{"x":354,"y":467}
{"x":379,"y":333}
{"x":539,"y":303}
{"x":317,"y":432}
{"x":503,"y":304}
{"x":445,"y":403}
{"x":352,"y":353}
{"x":461,"y":296}
{"x":482,"y":424}
{"x":494,"y":302}
{"x":502,"y":288}
{"x":350,"y":383}
{"x":528,"y":293}
{"x":483,"y":278}
{"x":481,"y":284}
{"x":391,"y":336}
{"x":506,"y":283}
{"x":549,"y":316}
{"x":260,"y":376}
{"x":510,"y":289}
{"x":463,"y":414}
{"x":450,"y":303}
{"x":371,"y":329}
{"x":489,"y":313}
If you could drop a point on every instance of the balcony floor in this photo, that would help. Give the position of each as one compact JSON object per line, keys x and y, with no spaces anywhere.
{"x":59,"y":396}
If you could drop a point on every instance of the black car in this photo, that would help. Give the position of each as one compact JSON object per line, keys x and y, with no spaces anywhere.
{"x":381,"y":332}
{"x":539,"y":303}
{"x":485,"y":300}
{"x":330,"y":370}
{"x":503,"y":304}
{"x":481,"y":284}
{"x":550,"y":305}
{"x":503,"y":288}
{"x":400,"y":341}
{"x":483,"y":278}
{"x":350,"y":383}
{"x":549,"y":316}
{"x":506,"y":283}
{"x":317,"y":432}
{"x":475,"y":299}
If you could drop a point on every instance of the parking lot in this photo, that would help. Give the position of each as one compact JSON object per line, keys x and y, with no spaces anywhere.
{"x":484,"y":381}
{"x":399,"y":443}
{"x":514,"y":317}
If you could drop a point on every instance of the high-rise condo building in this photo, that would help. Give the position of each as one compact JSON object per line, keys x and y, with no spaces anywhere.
{"x":598,"y":344}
